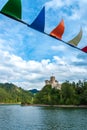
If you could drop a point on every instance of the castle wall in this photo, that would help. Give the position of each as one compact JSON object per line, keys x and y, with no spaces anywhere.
{"x":54,"y":83}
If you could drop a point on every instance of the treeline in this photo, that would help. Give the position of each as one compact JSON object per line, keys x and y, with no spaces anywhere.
{"x":10,"y":93}
{"x":70,"y":94}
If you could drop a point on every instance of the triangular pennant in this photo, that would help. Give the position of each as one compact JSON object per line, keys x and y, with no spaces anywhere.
{"x":59,"y":30}
{"x":12,"y":9}
{"x":39,"y":22}
{"x":84,"y":49}
{"x":77,"y":39}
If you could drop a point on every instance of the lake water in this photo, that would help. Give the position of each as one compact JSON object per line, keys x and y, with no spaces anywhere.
{"x":16,"y":117}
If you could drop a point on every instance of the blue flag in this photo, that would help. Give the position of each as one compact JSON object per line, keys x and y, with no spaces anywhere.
{"x":39,"y":22}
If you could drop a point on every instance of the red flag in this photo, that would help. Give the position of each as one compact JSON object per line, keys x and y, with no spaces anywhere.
{"x":84,"y":49}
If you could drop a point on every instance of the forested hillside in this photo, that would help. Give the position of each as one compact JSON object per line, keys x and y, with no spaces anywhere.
{"x":70,"y":94}
{"x":9,"y":93}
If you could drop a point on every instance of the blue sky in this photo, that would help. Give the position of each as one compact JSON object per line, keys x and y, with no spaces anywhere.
{"x":29,"y":57}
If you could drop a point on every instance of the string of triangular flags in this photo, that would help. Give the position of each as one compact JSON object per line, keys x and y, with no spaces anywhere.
{"x":13,"y":9}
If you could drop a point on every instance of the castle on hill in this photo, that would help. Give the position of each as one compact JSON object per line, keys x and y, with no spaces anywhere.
{"x":53,"y":82}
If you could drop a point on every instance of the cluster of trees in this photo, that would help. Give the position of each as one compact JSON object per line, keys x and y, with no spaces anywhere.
{"x":9,"y":93}
{"x":70,"y":94}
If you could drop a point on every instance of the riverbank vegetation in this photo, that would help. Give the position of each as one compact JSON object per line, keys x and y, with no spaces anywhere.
{"x":10,"y":93}
{"x":70,"y":94}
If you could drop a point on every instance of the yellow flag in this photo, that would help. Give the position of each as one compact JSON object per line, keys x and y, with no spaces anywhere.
{"x":77,"y":39}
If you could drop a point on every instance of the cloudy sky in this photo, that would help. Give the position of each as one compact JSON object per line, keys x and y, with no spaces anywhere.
{"x":27,"y":57}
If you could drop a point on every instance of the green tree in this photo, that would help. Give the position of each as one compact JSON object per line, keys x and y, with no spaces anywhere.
{"x":68,"y":94}
{"x":47,"y":95}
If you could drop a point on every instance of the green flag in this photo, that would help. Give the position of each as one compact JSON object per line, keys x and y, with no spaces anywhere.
{"x":12,"y":9}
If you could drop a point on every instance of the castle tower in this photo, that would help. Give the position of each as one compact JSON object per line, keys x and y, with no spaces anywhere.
{"x":52,"y":79}
{"x":47,"y":82}
{"x":53,"y":82}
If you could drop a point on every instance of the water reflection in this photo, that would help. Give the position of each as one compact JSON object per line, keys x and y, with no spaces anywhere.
{"x":14,"y":117}
{"x":63,"y":118}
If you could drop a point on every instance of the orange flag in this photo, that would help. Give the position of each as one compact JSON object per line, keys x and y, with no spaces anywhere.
{"x":59,"y":30}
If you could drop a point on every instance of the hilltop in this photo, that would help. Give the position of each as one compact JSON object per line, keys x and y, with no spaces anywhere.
{"x":10,"y":93}
{"x":69,"y":94}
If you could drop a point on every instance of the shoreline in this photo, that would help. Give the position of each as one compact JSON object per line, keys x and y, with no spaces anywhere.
{"x":59,"y":106}
{"x":44,"y":105}
{"x":10,"y":103}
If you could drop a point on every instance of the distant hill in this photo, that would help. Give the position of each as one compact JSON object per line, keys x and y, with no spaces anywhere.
{"x":34,"y":91}
{"x":10,"y":93}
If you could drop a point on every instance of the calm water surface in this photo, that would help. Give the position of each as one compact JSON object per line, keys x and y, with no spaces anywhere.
{"x":16,"y":117}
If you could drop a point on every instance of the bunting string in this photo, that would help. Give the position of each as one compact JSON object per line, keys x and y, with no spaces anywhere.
{"x":13,"y":9}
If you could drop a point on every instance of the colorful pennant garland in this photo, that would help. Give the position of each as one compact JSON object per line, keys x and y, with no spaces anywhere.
{"x":39,"y":22}
{"x":84,"y":49}
{"x":77,"y":39}
{"x":13,"y":10}
{"x":59,"y":30}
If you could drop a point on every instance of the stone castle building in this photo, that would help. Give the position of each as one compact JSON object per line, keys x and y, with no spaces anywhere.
{"x":53,"y":82}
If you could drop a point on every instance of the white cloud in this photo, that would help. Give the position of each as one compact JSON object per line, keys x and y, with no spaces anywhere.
{"x":31,"y":74}
{"x":58,"y":3}
{"x":54,"y":3}
{"x":75,"y":15}
{"x":59,"y":48}
{"x":77,"y":8}
{"x":16,"y":38}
